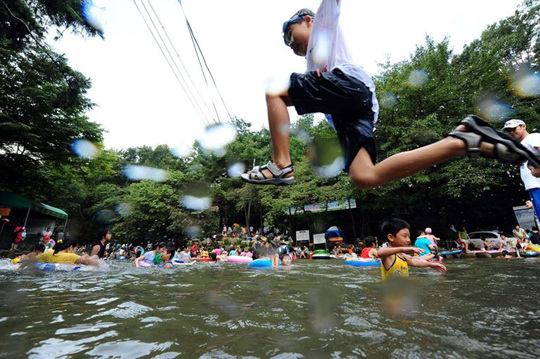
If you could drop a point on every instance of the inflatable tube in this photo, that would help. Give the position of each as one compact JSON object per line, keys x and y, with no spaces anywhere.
{"x":204,"y":259}
{"x":457,"y":253}
{"x":531,"y":253}
{"x":363,"y":262}
{"x":261,"y":263}
{"x":48,"y":267}
{"x":240,"y":259}
{"x":534,"y":248}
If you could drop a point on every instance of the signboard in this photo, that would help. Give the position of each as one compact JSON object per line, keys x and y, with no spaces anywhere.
{"x":524,"y":216}
{"x":319,"y":238}
{"x":302,"y":236}
{"x":4,"y":211}
{"x":323,"y":207}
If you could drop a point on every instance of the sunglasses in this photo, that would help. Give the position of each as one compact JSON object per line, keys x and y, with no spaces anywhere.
{"x":287,"y":35}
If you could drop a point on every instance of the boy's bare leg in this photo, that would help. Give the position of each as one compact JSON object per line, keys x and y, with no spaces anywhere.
{"x":279,"y":123}
{"x":366,"y":175}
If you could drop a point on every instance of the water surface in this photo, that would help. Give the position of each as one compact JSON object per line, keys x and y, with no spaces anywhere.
{"x":481,"y":308}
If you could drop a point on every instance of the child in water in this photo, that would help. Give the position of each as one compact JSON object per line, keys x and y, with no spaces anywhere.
{"x":394,"y":260}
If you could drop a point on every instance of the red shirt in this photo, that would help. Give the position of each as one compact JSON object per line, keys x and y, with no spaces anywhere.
{"x":365,"y":252}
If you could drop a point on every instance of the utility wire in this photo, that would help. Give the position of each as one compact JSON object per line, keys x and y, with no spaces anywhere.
{"x":200,"y":55}
{"x":171,"y":44}
{"x":187,"y":91}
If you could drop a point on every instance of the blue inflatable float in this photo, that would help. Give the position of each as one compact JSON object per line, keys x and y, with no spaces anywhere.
{"x":262,"y":263}
{"x":363,"y":262}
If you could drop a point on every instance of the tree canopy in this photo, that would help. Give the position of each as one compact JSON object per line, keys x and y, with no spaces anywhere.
{"x":42,"y":111}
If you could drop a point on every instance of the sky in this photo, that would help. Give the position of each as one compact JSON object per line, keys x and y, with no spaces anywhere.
{"x":139,"y":101}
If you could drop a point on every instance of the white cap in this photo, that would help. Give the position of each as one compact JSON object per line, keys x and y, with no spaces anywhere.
{"x":513,"y":124}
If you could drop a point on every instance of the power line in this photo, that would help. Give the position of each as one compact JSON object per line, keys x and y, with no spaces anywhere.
{"x":174,"y":68}
{"x":200,"y":55}
{"x":171,"y":44}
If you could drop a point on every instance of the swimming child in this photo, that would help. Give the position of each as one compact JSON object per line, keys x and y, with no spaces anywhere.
{"x":423,"y":242}
{"x":370,"y":249}
{"x":337,"y":87}
{"x":64,"y":252}
{"x":395,"y":261}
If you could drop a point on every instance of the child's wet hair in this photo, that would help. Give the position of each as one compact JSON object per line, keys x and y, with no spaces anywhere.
{"x":393,"y":226}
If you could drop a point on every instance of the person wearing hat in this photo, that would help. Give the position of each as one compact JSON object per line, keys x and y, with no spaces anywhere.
{"x":341,"y":89}
{"x":518,"y":130}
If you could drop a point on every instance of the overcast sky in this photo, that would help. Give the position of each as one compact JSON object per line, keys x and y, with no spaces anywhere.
{"x":140,"y":102}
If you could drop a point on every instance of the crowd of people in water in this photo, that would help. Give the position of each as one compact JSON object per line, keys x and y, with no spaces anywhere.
{"x":279,"y":247}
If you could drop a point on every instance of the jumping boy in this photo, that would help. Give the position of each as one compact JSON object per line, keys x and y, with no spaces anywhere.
{"x":334,"y":85}
{"x":394,"y":260}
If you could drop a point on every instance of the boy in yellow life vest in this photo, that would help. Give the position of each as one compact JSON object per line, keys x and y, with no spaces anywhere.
{"x":395,"y":260}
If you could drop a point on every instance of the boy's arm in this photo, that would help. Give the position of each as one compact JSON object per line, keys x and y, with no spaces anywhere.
{"x":385,"y":252}
{"x":423,"y":263}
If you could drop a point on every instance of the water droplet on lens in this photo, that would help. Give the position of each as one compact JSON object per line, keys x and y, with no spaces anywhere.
{"x":182,"y":151}
{"x":105,"y":216}
{"x":84,"y":149}
{"x":138,"y":173}
{"x":277,"y":84}
{"x":93,"y":12}
{"x":196,"y":198}
{"x":123,"y":209}
{"x":236,"y":169}
{"x":326,"y":157}
{"x":192,"y":231}
{"x":388,"y":100}
{"x":417,"y":78}
{"x":494,"y":110}
{"x":217,"y":137}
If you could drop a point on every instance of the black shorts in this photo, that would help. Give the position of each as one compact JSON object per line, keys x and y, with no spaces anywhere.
{"x":347,"y":99}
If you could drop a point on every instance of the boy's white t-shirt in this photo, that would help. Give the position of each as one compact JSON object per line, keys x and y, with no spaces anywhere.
{"x":529,"y":181}
{"x":327,"y":48}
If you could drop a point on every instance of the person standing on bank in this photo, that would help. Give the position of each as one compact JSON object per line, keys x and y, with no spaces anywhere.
{"x":518,"y":130}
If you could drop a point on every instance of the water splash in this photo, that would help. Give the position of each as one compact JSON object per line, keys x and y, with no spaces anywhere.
{"x":85,"y":149}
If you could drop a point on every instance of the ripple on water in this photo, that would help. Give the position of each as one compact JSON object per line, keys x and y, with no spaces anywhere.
{"x":124,"y":310}
{"x":55,"y":347}
{"x":128,"y":349}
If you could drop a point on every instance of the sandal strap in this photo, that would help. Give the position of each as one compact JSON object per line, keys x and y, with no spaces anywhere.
{"x":279,"y":172}
{"x":472,"y":141}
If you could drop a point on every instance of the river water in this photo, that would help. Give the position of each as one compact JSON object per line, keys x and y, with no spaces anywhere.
{"x":480,"y":308}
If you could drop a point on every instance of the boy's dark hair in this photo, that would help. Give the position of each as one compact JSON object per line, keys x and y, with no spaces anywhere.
{"x":102,"y":233}
{"x":392,"y":226}
{"x":297,"y":18}
{"x":368,"y":241}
